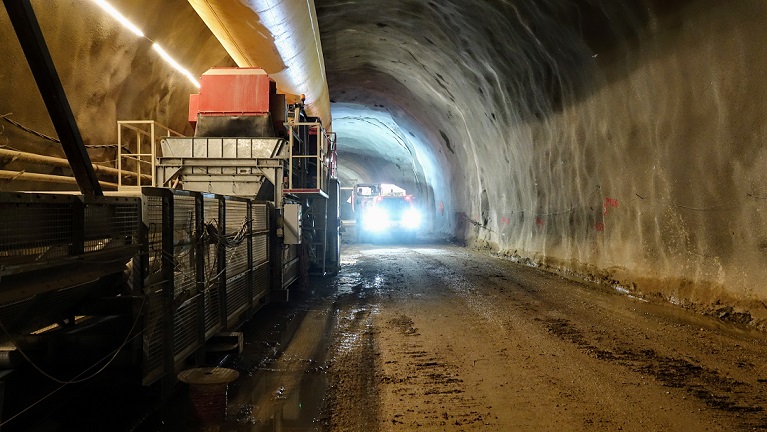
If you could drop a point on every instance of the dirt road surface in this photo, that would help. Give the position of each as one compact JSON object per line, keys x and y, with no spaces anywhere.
{"x":440,"y":338}
{"x":444,"y":338}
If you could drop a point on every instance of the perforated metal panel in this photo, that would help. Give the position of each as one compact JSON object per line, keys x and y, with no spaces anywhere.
{"x":154,"y":338}
{"x":260,"y":281}
{"x":260,"y":215}
{"x":35,"y":227}
{"x":260,"y":249}
{"x":110,"y":222}
{"x":186,"y":338}
{"x":236,"y":297}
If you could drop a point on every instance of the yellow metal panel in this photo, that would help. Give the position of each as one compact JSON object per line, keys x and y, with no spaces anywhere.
{"x":281,"y":37}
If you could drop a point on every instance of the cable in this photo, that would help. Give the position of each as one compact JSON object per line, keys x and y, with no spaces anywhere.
{"x":77,"y":380}
{"x":28,"y":130}
{"x":51,"y":393}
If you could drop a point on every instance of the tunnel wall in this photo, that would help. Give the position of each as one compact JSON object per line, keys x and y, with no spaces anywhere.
{"x":653,"y":180}
{"x":621,"y":142}
{"x":108,"y":74}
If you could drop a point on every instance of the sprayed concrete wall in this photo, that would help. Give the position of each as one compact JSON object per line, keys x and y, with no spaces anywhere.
{"x":108,"y":74}
{"x":621,"y":141}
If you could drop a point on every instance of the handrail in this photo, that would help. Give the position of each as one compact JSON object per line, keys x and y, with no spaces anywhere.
{"x":145,"y":130}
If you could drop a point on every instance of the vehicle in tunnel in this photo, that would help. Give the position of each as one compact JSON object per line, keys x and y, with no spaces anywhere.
{"x":393,"y":216}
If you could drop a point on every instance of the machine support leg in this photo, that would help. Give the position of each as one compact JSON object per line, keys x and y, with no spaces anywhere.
{"x":39,"y":58}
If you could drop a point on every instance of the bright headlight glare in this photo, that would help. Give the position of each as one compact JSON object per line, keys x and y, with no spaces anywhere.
{"x":376,"y":219}
{"x":412,"y":218}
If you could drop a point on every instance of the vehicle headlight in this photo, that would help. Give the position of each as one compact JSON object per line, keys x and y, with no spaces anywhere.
{"x":376,"y":219}
{"x":411,"y":218}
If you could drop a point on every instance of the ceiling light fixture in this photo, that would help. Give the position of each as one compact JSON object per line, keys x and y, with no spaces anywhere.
{"x":175,"y":64}
{"x":119,"y":17}
{"x":124,"y":21}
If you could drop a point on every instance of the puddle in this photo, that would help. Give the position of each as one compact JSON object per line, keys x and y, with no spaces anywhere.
{"x":283,"y":375}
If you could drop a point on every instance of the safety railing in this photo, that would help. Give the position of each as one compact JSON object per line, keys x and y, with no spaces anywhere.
{"x":312,"y":166}
{"x":138,"y":145}
{"x":206,"y":268}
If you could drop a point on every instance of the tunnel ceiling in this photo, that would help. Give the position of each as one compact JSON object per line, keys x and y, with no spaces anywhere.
{"x":443,"y":73}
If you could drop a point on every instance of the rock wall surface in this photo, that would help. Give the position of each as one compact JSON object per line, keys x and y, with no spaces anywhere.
{"x":622,"y":141}
{"x":108,"y":74}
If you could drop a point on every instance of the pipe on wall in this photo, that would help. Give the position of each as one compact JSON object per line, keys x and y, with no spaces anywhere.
{"x":60,"y":162}
{"x":280,"y":36}
{"x":46,"y":178}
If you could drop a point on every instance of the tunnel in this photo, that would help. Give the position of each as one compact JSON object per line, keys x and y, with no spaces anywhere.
{"x":609,"y":143}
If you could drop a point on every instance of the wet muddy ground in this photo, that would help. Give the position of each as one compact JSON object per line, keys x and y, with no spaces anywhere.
{"x":435,"y":337}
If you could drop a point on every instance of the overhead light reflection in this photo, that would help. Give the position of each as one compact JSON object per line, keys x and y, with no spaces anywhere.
{"x":175,"y":64}
{"x":119,"y":17}
{"x":124,"y":21}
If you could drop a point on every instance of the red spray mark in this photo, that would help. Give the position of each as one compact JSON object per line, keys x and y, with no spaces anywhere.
{"x":505,"y":220}
{"x":540,"y":222}
{"x":610,"y":202}
{"x":600,"y":226}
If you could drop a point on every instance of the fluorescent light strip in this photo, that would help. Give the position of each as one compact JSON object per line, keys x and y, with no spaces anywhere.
{"x":124,"y":21}
{"x":175,"y":64}
{"x":119,"y":17}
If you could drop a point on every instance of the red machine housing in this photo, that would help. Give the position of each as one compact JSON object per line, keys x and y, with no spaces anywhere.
{"x":235,"y":92}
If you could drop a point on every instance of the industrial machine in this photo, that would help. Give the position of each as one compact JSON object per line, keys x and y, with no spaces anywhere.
{"x":224,"y":222}
{"x":249,"y":142}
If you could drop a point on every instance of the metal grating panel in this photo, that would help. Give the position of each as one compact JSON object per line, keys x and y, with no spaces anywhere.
{"x":212,"y":311}
{"x":260,"y":281}
{"x":153,"y":220}
{"x":290,"y":274}
{"x":260,"y":217}
{"x":111,"y":223}
{"x":210,"y":209}
{"x":185,"y":328}
{"x":210,"y":263}
{"x":237,"y":259}
{"x":183,"y":219}
{"x":211,"y":293}
{"x":236,"y":295}
{"x":236,"y":216}
{"x":184,"y":274}
{"x":290,"y":252}
{"x":35,"y":227}
{"x":260,"y":249}
{"x":154,"y":344}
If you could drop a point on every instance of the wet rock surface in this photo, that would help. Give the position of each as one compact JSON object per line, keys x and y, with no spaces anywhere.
{"x":449,"y":339}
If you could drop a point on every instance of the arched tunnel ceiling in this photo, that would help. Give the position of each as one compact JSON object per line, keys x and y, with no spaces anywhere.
{"x":448,"y":72}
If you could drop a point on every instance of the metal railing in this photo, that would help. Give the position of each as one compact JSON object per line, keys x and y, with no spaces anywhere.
{"x":138,"y":145}
{"x":323,"y":157}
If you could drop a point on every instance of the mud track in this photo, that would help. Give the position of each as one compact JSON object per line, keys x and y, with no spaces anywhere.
{"x":441,"y":338}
